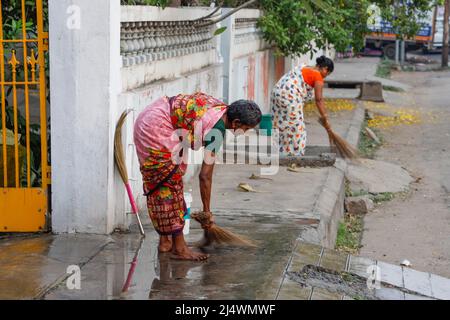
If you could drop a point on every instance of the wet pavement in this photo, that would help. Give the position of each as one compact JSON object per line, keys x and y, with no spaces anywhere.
{"x":278,"y":268}
{"x":39,"y":271}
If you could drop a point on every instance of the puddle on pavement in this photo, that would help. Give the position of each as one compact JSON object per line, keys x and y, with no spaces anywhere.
{"x":105,"y":261}
{"x":230,"y":272}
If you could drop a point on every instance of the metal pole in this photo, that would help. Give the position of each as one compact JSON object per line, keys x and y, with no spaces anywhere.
{"x":402,"y":52}
{"x":446,"y":35}
{"x":397,"y":47}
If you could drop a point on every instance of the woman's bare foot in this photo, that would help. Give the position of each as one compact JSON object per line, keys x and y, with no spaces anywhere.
{"x":182,"y":252}
{"x":190,"y":255}
{"x":165,"y":244}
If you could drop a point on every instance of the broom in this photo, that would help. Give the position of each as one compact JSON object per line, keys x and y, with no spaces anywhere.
{"x":343,"y":148}
{"x":214,"y":233}
{"x":119,"y":158}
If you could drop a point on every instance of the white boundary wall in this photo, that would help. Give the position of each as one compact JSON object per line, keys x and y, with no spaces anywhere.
{"x":125,"y":57}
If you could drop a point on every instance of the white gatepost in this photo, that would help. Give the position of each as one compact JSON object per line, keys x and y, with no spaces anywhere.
{"x":85,"y":82}
{"x":226,"y":50}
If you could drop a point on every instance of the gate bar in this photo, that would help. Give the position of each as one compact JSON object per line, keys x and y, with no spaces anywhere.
{"x":27,"y":108}
{"x":42,"y":92}
{"x":14,"y":63}
{"x":2,"y":72}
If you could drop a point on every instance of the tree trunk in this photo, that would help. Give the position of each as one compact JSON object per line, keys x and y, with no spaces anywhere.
{"x":446,"y":35}
{"x":174,"y":3}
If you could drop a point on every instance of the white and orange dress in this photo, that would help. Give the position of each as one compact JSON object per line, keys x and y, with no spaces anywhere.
{"x":288,"y":98}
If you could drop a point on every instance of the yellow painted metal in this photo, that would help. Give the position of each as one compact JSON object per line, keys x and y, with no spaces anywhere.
{"x":42,"y":46}
{"x":22,"y":209}
{"x":14,"y":62}
{"x":23,"y":206}
{"x":27,"y":107}
{"x":2,"y":80}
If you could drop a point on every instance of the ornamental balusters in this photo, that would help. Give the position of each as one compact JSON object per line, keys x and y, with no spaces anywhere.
{"x":246,"y":30}
{"x":146,"y":41}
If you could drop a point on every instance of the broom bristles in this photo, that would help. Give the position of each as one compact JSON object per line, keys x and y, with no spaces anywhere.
{"x":344,"y":149}
{"x":215,"y":234}
{"x":119,"y":155}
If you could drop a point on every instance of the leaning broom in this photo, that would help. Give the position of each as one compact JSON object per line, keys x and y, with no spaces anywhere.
{"x":119,"y":159}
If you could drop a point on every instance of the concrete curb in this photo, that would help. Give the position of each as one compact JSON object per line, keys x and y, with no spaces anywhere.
{"x":352,"y":135}
{"x":329,"y":205}
{"x":328,"y":208}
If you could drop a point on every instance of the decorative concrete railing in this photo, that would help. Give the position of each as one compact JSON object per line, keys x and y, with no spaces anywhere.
{"x":157,"y":44}
{"x":152,"y":34}
{"x":246,"y":29}
{"x":147,"y":41}
{"x":246,"y":36}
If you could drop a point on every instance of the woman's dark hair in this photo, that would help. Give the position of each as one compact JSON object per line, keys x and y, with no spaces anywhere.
{"x":246,"y":111}
{"x":324,"y":62}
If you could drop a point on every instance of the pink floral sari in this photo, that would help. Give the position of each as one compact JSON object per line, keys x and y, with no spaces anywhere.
{"x":157,"y":134}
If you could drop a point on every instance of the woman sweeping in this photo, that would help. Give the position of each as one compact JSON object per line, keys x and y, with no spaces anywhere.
{"x":161,"y":130}
{"x":288,"y":98}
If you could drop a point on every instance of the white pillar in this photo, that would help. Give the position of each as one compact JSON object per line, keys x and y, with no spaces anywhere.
{"x":85,"y":82}
{"x":227,"y":52}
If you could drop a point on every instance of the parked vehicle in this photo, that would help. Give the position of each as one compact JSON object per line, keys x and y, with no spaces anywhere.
{"x":429,"y":38}
{"x":383,"y":36}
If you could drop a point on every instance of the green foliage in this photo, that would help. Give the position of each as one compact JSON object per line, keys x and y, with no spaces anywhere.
{"x":349,"y":234}
{"x":367,"y":147}
{"x":219,"y":31}
{"x":35,"y":145}
{"x":383,"y":197}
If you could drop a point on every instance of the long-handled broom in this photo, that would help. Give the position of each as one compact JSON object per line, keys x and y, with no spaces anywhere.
{"x":214,"y":233}
{"x":344,"y":149}
{"x":119,"y":158}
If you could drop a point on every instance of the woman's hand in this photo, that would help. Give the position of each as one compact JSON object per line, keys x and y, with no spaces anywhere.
{"x":211,"y":221}
{"x":205,"y":219}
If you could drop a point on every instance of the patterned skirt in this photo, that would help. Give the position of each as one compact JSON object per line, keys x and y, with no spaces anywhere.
{"x":287,"y":102}
{"x":166,"y":204}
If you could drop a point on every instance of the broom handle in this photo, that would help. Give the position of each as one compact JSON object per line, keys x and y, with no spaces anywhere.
{"x":134,"y":208}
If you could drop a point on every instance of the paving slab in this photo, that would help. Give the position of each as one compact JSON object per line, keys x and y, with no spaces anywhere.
{"x":288,"y":194}
{"x":334,"y":260}
{"x":359,"y":265}
{"x":391,"y":274}
{"x":389,"y":294}
{"x":322,"y":294}
{"x":291,"y":290}
{"x":417,"y":281}
{"x":30,"y":266}
{"x":376,"y":176}
{"x":440,"y":287}
{"x":409,"y":296}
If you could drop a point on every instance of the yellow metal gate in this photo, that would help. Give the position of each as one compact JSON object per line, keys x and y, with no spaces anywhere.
{"x":24,"y":170}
